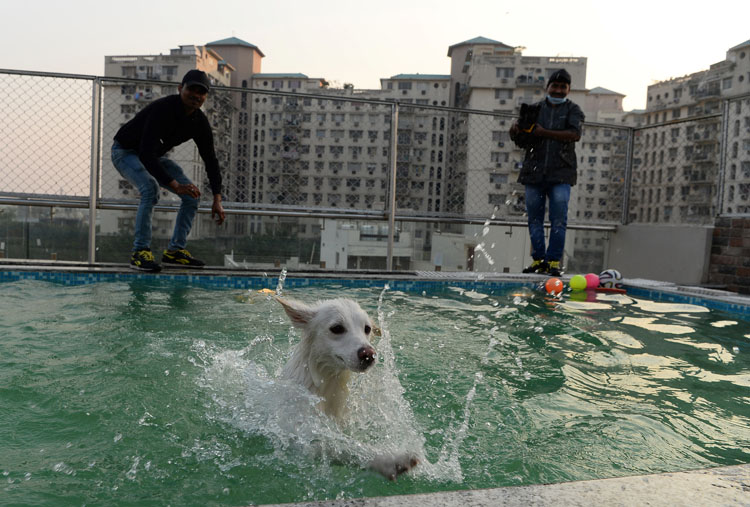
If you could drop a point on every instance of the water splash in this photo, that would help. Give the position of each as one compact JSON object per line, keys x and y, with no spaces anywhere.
{"x":482,"y":246}
{"x":280,"y":285}
{"x":247,"y":394}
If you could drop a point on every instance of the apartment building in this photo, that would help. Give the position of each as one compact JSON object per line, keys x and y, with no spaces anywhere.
{"x":331,"y":147}
{"x":677,"y":160}
{"x":122,"y":99}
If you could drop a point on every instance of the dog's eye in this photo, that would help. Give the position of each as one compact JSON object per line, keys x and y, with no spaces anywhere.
{"x":368,"y":329}
{"x":338,"y":329}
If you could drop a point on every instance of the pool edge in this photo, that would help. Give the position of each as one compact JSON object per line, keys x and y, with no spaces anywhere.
{"x":728,"y":485}
{"x":76,"y":273}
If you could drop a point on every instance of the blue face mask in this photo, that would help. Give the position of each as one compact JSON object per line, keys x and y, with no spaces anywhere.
{"x":556,"y":101}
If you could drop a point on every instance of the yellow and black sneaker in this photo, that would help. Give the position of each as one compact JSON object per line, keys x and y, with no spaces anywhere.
{"x":553,"y":268}
{"x":181,"y":258}
{"x":143,"y":260}
{"x":538,"y":266}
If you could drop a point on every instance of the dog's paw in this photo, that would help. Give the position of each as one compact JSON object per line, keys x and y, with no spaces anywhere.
{"x":393,"y":465}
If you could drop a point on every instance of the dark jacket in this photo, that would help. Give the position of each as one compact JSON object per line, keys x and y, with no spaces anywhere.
{"x":547,"y":160}
{"x":161,"y":126}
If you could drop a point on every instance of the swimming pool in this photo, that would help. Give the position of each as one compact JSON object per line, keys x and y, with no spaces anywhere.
{"x":142,"y":389}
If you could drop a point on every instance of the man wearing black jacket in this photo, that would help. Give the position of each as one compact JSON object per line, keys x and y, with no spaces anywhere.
{"x":549,"y":169}
{"x":138,"y":154}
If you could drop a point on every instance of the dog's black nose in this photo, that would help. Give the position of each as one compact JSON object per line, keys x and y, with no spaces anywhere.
{"x":366,"y":356}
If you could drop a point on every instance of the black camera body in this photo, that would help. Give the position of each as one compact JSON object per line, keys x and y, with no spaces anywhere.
{"x":526,"y":124}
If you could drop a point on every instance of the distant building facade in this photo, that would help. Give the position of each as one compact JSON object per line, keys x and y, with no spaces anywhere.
{"x":676,"y":161}
{"x":330,"y":150}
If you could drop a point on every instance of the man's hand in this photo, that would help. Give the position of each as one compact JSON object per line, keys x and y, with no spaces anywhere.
{"x":217,"y":210}
{"x":513,"y":130}
{"x":187,"y":189}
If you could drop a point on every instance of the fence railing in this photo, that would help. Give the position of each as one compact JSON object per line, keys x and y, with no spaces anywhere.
{"x":346,"y":156}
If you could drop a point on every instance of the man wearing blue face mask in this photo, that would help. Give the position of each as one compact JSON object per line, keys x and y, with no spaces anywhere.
{"x":549,"y":170}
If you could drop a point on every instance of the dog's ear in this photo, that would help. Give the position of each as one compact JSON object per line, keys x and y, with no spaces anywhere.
{"x":299,"y":313}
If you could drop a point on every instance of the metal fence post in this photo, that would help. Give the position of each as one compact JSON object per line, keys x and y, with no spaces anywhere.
{"x":723,"y":148}
{"x":392,"y":187}
{"x":628,"y":177}
{"x":96,"y":104}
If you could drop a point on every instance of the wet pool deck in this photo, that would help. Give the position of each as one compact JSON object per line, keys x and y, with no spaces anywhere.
{"x":722,"y":486}
{"x":707,"y":487}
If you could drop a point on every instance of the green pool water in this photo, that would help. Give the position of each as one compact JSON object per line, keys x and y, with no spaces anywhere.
{"x":149,"y":393}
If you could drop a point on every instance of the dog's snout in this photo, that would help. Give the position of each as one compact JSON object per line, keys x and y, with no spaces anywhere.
{"x":366,"y":356}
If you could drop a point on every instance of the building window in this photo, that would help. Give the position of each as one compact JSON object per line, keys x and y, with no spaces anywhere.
{"x":506,"y":72}
{"x":277,"y":84}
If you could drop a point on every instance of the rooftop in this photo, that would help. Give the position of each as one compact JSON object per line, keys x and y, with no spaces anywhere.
{"x":478,"y":40}
{"x":234,"y":41}
{"x":280,"y":74}
{"x":431,"y":77}
{"x":603,"y":91}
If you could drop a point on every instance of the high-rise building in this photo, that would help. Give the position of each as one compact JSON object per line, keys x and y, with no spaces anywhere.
{"x":331,"y":147}
{"x":676,"y":161}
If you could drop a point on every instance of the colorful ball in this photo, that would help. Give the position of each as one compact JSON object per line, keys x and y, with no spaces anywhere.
{"x":554,"y":286}
{"x":592,"y":281}
{"x":577,"y":282}
{"x":610,"y":278}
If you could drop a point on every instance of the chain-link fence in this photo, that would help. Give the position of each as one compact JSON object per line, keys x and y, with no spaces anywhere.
{"x":46,"y":134}
{"x":295,"y":165}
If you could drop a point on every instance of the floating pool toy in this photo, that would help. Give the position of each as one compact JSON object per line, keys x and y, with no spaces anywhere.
{"x":610,"y":279}
{"x":252,"y":296}
{"x":592,"y":281}
{"x":577,"y":282}
{"x":554,"y":286}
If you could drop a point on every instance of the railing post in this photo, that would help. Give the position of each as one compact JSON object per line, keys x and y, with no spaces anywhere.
{"x":392,"y":187}
{"x":628,"y":177}
{"x":96,"y":103}
{"x":723,"y":147}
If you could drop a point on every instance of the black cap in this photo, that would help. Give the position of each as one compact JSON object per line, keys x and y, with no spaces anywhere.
{"x":198,"y":78}
{"x":559,"y":76}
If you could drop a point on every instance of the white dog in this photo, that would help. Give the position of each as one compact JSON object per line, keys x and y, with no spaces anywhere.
{"x":335,"y":342}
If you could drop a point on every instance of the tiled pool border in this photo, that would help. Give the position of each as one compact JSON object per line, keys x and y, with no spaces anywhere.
{"x":408,"y":282}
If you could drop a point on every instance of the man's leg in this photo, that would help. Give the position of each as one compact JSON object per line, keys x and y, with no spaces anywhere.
{"x":535,"y":204}
{"x":131,"y":168}
{"x":188,"y":206}
{"x":559,"y":195}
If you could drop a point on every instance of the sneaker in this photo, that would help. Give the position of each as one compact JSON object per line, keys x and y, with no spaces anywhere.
{"x":181,"y":258}
{"x":553,"y":268}
{"x":538,"y":266}
{"x":143,"y":260}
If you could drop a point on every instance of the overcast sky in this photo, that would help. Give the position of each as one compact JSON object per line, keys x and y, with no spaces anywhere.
{"x":629,"y":45}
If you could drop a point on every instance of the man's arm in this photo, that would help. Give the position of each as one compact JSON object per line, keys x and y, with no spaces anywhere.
{"x":557,"y":135}
{"x":217,"y":210}
{"x":204,"y":140}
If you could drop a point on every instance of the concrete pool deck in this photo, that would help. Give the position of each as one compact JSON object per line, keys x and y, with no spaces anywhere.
{"x":708,"y":487}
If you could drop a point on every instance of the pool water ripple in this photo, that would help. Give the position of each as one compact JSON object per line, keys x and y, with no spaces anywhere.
{"x":148,"y":392}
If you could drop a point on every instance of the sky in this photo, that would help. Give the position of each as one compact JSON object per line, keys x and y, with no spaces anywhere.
{"x":629,"y":45}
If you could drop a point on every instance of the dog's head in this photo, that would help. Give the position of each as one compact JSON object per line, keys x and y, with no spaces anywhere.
{"x":338,"y":332}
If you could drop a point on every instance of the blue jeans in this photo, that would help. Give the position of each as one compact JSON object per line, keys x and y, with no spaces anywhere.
{"x":132,"y":169}
{"x":536,"y":197}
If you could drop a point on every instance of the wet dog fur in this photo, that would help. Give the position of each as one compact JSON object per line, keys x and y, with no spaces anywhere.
{"x":336,"y":342}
